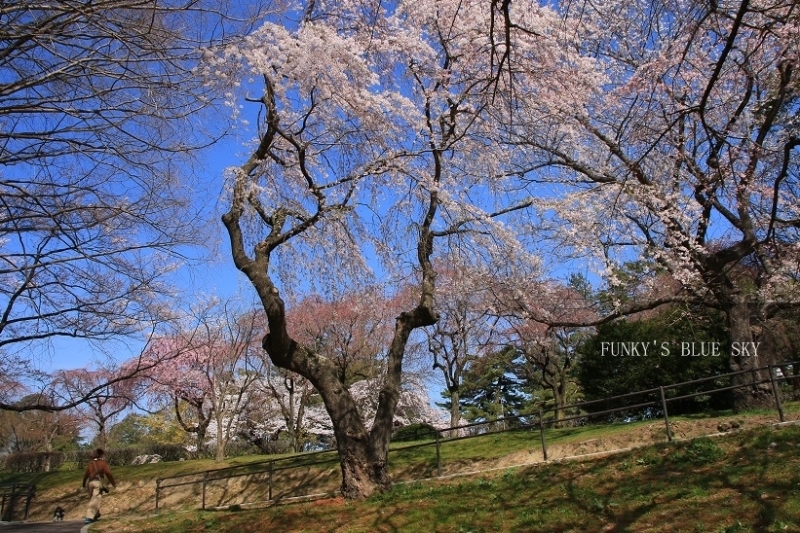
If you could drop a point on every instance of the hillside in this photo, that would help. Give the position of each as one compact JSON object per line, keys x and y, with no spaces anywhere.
{"x":749,"y":481}
{"x":658,"y":487}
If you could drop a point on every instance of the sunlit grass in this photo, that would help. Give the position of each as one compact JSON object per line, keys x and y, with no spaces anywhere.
{"x":745,"y":482}
{"x":705,"y":480}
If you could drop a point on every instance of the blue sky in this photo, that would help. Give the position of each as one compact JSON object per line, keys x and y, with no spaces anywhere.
{"x":211,"y":273}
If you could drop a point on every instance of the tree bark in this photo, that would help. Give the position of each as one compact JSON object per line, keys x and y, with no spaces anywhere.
{"x":749,"y":393}
{"x":221,"y":440}
{"x":363,"y":467}
{"x":559,"y":399}
{"x":362,"y":454}
{"x":455,"y":410}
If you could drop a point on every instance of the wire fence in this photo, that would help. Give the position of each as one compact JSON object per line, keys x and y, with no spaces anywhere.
{"x":12,"y":497}
{"x":316,"y":474}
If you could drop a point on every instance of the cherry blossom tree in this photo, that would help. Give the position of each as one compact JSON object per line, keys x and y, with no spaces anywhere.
{"x":465,"y":330}
{"x":285,"y":402}
{"x":352,"y":330}
{"x":218,"y":359}
{"x":375,"y":153}
{"x":673,"y":138}
{"x":180,"y":386}
{"x":413,"y":405}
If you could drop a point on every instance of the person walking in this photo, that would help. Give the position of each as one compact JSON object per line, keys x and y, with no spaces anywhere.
{"x":95,"y":478}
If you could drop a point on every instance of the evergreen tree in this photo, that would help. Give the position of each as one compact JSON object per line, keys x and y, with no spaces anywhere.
{"x":493,"y":390}
{"x":614,"y":361}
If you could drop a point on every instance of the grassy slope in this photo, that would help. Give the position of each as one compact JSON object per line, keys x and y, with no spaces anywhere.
{"x":749,"y":481}
{"x":744,"y":482}
{"x":737,"y":483}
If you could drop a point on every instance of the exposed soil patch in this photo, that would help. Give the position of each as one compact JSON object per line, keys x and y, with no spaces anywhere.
{"x":653,"y":433}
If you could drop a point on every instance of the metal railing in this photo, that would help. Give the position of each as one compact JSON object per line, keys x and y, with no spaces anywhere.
{"x":268,"y":472}
{"x":265,"y":475}
{"x":11,"y":493}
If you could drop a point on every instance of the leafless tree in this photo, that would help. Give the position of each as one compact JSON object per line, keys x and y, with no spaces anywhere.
{"x":103,"y":406}
{"x":464,"y":330}
{"x":100,"y":115}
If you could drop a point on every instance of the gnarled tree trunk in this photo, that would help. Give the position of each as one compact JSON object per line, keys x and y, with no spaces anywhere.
{"x":744,"y":358}
{"x":363,"y":454}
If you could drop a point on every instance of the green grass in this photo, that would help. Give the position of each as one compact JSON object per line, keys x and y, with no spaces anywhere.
{"x":747,"y":482}
{"x":602,"y":494}
{"x":404,"y":454}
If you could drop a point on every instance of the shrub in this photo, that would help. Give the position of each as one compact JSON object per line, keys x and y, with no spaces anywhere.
{"x":240,"y":448}
{"x":168,"y":452}
{"x":34,"y":462}
{"x":413,"y":432}
{"x":125,"y":456}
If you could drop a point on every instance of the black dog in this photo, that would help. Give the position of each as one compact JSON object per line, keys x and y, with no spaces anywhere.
{"x":58,"y":514}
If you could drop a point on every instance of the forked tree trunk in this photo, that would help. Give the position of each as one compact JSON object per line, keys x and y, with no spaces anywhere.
{"x":362,"y":453}
{"x":363,"y":469}
{"x":362,"y":463}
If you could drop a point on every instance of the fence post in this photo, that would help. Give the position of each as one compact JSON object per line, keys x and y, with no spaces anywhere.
{"x":541,"y":435}
{"x":31,"y":494}
{"x":269,"y":496}
{"x":777,"y":394}
{"x":438,"y":455}
{"x":666,"y":415}
{"x":7,"y":514}
{"x":158,"y":488}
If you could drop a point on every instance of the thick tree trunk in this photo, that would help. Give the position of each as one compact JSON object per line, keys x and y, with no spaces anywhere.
{"x":362,"y":463}
{"x":362,"y":456}
{"x":455,"y":410}
{"x":744,"y":358}
{"x":560,"y":399}
{"x":363,"y":469}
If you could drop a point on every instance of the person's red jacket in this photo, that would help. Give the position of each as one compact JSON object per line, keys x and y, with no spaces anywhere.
{"x":98,"y":468}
